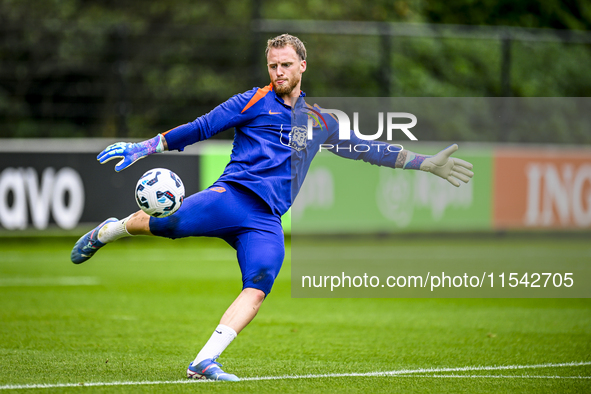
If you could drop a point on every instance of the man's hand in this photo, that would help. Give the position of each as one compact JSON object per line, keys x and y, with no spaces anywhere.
{"x":129,"y":152}
{"x":447,"y":167}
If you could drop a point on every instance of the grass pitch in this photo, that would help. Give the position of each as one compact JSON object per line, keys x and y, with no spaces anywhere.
{"x":141,"y":309}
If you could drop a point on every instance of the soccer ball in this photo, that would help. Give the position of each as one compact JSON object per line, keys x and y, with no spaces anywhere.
{"x":159,"y":192}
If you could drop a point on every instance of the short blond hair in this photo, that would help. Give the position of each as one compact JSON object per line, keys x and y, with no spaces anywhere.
{"x":284,"y":40}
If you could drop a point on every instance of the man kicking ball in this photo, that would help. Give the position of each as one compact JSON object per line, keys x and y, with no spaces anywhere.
{"x":244,"y":206}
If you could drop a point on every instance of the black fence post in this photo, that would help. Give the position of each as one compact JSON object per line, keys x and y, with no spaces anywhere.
{"x":506,"y":43}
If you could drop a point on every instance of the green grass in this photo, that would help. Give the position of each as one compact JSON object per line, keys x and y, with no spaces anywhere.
{"x":155,"y":302}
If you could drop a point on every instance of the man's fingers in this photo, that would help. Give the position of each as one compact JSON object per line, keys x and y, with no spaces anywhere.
{"x":105,"y":155}
{"x":453,"y":181}
{"x":441,"y":158}
{"x":101,"y":156}
{"x":463,"y":170}
{"x":463,"y":163}
{"x":449,"y":150}
{"x":126,"y":162}
{"x":105,"y":158}
{"x":461,"y":177}
{"x":121,"y":165}
{"x":112,"y":151}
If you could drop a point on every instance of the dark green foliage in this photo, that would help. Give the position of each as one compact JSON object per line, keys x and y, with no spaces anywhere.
{"x":106,"y":68}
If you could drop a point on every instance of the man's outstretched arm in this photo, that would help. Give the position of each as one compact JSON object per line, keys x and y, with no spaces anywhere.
{"x":442,"y":164}
{"x":384,"y":154}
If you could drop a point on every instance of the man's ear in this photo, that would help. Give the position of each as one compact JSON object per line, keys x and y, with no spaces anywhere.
{"x":303,"y":65}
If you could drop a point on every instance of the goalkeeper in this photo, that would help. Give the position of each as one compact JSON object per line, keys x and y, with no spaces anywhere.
{"x":267,"y":166}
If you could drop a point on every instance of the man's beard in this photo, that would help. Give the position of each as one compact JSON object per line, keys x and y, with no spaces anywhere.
{"x":286,"y":88}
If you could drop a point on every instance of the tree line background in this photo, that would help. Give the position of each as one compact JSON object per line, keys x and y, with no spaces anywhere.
{"x":131,"y":69}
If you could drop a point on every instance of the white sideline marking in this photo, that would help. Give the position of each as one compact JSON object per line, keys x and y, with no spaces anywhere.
{"x":496,"y":376}
{"x":406,"y":373}
{"x":50,"y":281}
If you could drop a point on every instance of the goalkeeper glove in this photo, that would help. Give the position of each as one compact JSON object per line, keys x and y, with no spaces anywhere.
{"x":442,"y":165}
{"x":129,"y":152}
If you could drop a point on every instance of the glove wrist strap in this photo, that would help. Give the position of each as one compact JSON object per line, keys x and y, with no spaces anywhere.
{"x":154,"y":145}
{"x":413,"y":161}
{"x":160,"y":144}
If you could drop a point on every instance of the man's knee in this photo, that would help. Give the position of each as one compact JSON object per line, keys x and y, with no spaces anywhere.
{"x":138,"y":224}
{"x":261,"y":257}
{"x":262,"y":280}
{"x":256,"y":295}
{"x":169,"y":226}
